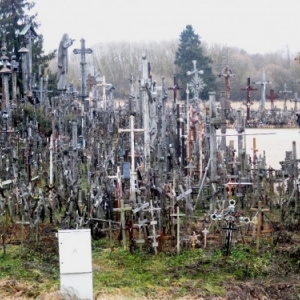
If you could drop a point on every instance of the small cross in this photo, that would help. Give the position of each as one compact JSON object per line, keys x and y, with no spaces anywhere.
{"x":259,"y":211}
{"x":122,"y":209}
{"x":178,"y":215}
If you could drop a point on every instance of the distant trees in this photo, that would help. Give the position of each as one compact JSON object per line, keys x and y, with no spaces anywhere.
{"x":118,"y":60}
{"x":190,"y":49}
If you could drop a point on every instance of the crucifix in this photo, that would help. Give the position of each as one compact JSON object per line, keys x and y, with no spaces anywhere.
{"x":248,"y":103}
{"x":285,"y":92}
{"x":263,"y":84}
{"x":83,"y":51}
{"x":122,"y":209}
{"x":229,"y":230}
{"x":133,"y":174}
{"x":272,"y":96}
{"x":260,"y":212}
{"x":227,"y":74}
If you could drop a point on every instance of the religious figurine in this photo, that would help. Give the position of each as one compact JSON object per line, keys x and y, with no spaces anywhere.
{"x":62,"y":66}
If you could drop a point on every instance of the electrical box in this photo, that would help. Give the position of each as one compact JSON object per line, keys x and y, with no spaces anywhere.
{"x":75,"y":262}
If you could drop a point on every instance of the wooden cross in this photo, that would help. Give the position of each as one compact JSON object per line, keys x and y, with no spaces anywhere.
{"x":184,"y":196}
{"x":267,"y":231}
{"x":178,"y":215}
{"x":153,"y":223}
{"x":248,"y":103}
{"x":133,"y":175}
{"x":122,"y":209}
{"x":175,"y":88}
{"x":272,"y":96}
{"x":259,"y":211}
{"x":130,"y":227}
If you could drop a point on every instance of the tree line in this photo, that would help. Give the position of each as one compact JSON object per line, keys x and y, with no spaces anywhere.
{"x":117,"y":61}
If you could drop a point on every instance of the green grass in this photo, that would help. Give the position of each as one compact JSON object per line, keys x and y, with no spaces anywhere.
{"x":198,"y":273}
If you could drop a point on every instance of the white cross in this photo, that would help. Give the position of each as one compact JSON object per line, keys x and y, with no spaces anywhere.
{"x":133,"y":177}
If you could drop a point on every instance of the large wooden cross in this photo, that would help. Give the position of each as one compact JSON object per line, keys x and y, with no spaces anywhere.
{"x":133,"y":175}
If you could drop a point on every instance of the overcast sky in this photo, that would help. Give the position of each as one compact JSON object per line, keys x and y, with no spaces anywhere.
{"x":257,"y":26}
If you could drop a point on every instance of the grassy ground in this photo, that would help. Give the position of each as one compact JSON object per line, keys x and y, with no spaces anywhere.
{"x":31,"y":272}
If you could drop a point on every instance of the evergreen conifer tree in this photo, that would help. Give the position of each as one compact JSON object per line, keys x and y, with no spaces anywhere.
{"x":188,"y":50}
{"x":14,"y":16}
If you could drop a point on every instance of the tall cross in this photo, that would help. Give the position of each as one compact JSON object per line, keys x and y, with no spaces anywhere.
{"x":272,"y":96}
{"x":175,"y":88}
{"x":133,"y":175}
{"x":285,"y":92}
{"x":83,"y":51}
{"x":248,"y":88}
{"x":263,"y":84}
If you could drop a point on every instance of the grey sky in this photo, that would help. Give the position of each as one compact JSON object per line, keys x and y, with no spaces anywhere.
{"x":257,"y":26}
